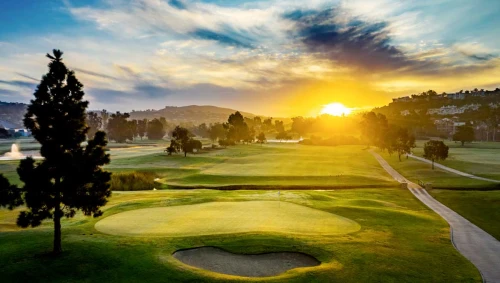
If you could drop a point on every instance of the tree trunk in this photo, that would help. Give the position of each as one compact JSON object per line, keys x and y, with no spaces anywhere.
{"x":432,"y":164}
{"x":57,"y":223}
{"x":185,"y":153}
{"x":462,"y":143}
{"x":399,"y":156}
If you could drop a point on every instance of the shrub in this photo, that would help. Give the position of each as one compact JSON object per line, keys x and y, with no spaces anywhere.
{"x":133,"y":181}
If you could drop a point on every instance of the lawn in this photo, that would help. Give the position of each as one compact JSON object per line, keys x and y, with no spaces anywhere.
{"x":481,"y":208}
{"x":480,"y":159}
{"x":399,"y":240}
{"x":269,"y":165}
{"x":416,"y":171}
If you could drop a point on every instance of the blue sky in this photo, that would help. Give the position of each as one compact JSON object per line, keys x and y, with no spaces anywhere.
{"x":278,"y":58}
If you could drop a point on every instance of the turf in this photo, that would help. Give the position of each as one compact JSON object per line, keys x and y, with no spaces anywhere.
{"x":480,"y":159}
{"x":481,"y":208}
{"x":415,"y":171}
{"x":254,"y":165}
{"x":400,"y":240}
{"x":213,"y":218}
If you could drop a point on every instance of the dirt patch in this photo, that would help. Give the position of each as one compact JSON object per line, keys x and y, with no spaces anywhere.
{"x":257,"y":265}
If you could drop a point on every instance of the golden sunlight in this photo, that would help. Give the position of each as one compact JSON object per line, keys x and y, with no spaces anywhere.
{"x":336,"y":109}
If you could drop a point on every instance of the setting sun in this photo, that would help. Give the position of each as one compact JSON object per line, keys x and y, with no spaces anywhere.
{"x":336,"y":109}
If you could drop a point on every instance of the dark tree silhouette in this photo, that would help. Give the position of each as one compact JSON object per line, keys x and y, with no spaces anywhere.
{"x":94,"y":123}
{"x":155,"y":130}
{"x":142,"y":127}
{"x":70,"y":177}
{"x":464,"y":134}
{"x":10,"y":195}
{"x":435,"y":151}
{"x":119,"y":127}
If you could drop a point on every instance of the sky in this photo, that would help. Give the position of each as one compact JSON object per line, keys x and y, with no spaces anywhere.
{"x":277,"y":58}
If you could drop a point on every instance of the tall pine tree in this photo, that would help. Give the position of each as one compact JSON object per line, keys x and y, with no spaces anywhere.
{"x":70,"y":177}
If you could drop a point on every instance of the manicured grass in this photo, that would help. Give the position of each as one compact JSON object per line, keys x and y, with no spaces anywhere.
{"x":415,"y":170}
{"x":275,"y":165}
{"x":480,"y":159}
{"x":481,"y":208}
{"x":213,"y":218}
{"x":400,"y":240}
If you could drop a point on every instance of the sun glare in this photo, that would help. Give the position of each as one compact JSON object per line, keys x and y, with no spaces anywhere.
{"x":336,"y":109}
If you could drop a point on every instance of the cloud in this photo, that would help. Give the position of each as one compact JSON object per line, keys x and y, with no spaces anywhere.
{"x":353,"y":42}
{"x":28,"y":77}
{"x":227,"y":38}
{"x":177,"y":4}
{"x":17,"y":83}
{"x":95,"y":74}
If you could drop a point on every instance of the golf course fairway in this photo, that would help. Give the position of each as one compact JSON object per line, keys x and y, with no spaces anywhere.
{"x":213,"y":218}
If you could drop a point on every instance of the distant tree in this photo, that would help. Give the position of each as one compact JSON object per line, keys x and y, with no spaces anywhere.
{"x":435,"y":151}
{"x":261,"y":138}
{"x":373,"y":128}
{"x":70,"y":177}
{"x":142,"y":127}
{"x":217,"y":132}
{"x":132,"y":124}
{"x":287,"y":137}
{"x":249,"y":137}
{"x":281,"y":135}
{"x":192,"y":145}
{"x":301,"y":126}
{"x":182,"y":140}
{"x":94,"y":122}
{"x":166,"y":125}
{"x":257,"y":121}
{"x":267,"y":124}
{"x":104,"y":118}
{"x":403,"y":142}
{"x":237,"y":128}
{"x":202,"y":130}
{"x":278,"y":125}
{"x":171,"y":149}
{"x":155,"y":130}
{"x":119,"y":128}
{"x":225,"y":142}
{"x":464,"y":134}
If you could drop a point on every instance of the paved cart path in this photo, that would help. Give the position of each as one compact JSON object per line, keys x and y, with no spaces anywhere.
{"x":474,"y":243}
{"x":446,"y":168}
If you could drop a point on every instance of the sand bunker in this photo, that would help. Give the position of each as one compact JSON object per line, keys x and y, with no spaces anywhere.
{"x":259,"y":265}
{"x":213,"y":218}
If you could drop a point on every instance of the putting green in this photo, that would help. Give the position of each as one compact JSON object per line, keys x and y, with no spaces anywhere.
{"x":226,"y":218}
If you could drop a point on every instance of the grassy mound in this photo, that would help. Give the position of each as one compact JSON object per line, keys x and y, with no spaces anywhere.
{"x":214,"y":218}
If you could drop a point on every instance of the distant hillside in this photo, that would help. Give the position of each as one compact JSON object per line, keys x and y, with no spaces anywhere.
{"x":467,"y":106}
{"x":193,"y":113}
{"x":12,"y":114}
